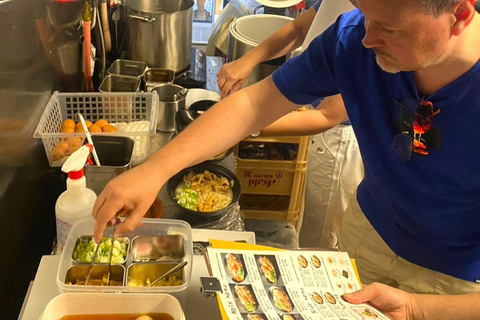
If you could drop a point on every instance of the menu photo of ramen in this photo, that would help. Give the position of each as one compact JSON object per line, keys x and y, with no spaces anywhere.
{"x":330,"y":298}
{"x":246,"y":297}
{"x":316,"y":262}
{"x":254,"y":316}
{"x":302,"y":261}
{"x":317,"y":298}
{"x":235,"y":267}
{"x":280,"y":299}
{"x":268,"y":268}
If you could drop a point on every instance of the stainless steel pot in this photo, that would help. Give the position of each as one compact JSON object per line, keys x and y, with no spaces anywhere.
{"x":259,"y":27}
{"x":159,"y":32}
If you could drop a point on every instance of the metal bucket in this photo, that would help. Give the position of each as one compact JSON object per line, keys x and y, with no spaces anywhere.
{"x":248,"y":32}
{"x":147,"y":36}
{"x":172,"y":99}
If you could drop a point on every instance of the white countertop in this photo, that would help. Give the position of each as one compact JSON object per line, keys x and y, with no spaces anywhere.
{"x":44,"y":287}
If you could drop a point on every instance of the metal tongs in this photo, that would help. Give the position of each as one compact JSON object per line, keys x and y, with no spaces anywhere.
{"x":169,"y":272}
{"x":114,"y":225}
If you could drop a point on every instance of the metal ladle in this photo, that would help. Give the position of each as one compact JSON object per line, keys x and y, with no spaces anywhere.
{"x":169,"y":272}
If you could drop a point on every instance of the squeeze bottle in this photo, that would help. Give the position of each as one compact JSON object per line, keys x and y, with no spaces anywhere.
{"x":77,"y":201}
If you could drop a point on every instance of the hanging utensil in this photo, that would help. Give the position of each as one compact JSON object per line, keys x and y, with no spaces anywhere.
{"x":169,"y":272}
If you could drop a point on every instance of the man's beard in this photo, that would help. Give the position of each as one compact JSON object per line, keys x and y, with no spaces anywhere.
{"x":381,"y":57}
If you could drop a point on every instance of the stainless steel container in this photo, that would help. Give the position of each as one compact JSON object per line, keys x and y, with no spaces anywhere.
{"x":248,"y":32}
{"x":159,"y":248}
{"x":159,"y":32}
{"x":155,"y":77}
{"x":129,"y":68}
{"x":171,"y":99}
{"x":113,"y":83}
{"x":115,"y":155}
{"x":142,"y":274}
{"x":76,"y":274}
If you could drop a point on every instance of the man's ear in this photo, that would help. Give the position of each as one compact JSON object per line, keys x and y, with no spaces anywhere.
{"x":464,"y":13}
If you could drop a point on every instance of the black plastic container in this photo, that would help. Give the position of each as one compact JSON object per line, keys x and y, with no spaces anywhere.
{"x":200,"y":168}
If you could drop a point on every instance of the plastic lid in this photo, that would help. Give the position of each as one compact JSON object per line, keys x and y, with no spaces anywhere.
{"x":279,"y":3}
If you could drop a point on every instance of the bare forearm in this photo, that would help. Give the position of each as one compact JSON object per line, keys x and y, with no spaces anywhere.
{"x":327,"y":115}
{"x":443,"y":307}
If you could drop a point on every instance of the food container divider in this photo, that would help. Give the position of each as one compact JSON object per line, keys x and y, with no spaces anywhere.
{"x":113,"y":107}
{"x":150,"y":228}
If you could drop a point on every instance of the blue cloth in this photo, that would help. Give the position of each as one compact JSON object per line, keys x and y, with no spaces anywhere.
{"x":317,"y":103}
{"x":427,"y":209}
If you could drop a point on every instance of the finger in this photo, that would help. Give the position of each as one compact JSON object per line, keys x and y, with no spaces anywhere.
{"x":237,"y":86}
{"x":221,"y":81}
{"x":106,"y":213}
{"x":98,"y":205}
{"x":227,"y":88}
{"x":365,"y":294}
{"x":131,"y":222}
{"x":219,"y":73}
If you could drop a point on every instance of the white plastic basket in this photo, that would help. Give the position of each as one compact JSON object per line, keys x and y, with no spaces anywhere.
{"x":113,"y":107}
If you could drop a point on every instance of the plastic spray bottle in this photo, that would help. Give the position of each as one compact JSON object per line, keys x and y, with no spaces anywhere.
{"x":77,"y":202}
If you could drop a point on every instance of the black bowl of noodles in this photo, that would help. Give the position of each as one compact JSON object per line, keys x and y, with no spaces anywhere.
{"x":217,"y":190}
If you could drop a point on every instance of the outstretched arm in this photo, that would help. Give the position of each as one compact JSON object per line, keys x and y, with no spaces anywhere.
{"x":218,"y":129}
{"x":300,"y":123}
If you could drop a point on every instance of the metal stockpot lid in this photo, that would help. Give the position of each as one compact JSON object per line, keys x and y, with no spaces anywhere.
{"x":159,"y":6}
{"x":254,"y":29}
{"x":279,"y":3}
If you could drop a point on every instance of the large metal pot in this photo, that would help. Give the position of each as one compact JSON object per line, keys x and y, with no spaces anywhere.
{"x":159,"y":32}
{"x":248,"y":32}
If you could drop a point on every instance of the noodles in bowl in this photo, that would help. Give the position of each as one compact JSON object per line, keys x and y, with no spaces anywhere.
{"x":204,"y":192}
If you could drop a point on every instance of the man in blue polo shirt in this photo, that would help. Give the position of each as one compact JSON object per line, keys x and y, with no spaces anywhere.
{"x":409,"y":73}
{"x":423,"y":204}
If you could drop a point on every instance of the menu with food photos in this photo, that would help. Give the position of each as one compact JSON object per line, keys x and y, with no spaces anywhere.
{"x":287,"y":285}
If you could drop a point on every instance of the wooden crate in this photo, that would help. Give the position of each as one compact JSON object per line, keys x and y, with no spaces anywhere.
{"x":272,"y":189}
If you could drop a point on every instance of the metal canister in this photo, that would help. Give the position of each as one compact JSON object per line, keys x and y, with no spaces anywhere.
{"x":172,"y":99}
{"x":147,"y":39}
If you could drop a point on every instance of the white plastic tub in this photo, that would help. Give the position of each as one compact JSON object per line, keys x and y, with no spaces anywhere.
{"x":111,"y":303}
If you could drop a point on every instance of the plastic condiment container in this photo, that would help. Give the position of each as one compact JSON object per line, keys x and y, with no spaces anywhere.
{"x":109,"y":303}
{"x":150,"y":228}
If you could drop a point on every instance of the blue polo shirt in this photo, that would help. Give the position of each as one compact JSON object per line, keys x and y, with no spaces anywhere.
{"x":427,"y":209}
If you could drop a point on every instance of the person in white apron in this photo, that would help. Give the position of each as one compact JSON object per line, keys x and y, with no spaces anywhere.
{"x":334,"y":162}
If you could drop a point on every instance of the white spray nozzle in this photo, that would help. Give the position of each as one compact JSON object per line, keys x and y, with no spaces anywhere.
{"x":77,"y":160}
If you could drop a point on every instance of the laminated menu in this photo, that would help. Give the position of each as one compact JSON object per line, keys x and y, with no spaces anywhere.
{"x":287,"y":285}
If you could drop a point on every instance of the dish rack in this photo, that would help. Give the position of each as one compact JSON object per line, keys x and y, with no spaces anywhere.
{"x":141,"y":107}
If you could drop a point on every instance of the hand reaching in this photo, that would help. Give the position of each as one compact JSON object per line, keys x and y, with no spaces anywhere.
{"x":232,"y":75}
{"x":133,"y":191}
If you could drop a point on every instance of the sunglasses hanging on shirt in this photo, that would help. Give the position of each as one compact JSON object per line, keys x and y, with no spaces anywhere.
{"x":415,"y":133}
